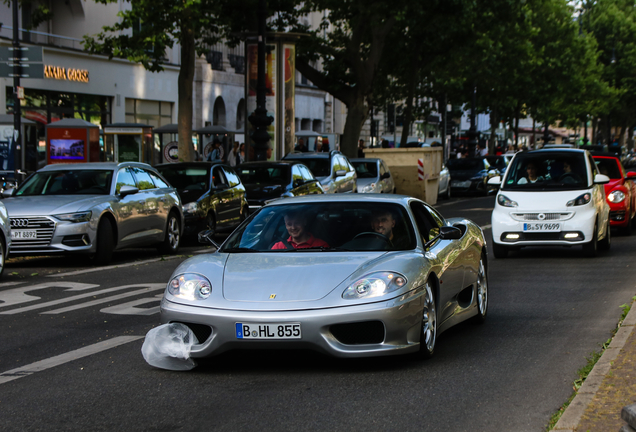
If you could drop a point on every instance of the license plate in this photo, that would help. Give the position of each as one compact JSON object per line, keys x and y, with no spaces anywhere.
{"x":542,"y":226}
{"x":463,"y":184}
{"x":268,"y":331}
{"x":23,"y":234}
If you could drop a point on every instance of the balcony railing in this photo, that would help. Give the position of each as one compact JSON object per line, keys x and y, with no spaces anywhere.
{"x":41,"y":38}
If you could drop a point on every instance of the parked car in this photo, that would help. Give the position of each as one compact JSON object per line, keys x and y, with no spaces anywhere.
{"x":93,"y":208}
{"x":374,"y":176}
{"x":332,"y":169}
{"x":266,"y":181}
{"x":551,"y":198}
{"x":5,"y":236}
{"x":212,"y":194}
{"x":500,"y":163}
{"x":471,"y":174}
{"x":354,"y":288}
{"x":444,"y":184}
{"x":620,"y":192}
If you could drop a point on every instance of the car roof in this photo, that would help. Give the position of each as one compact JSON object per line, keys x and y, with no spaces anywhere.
{"x":345,"y":198}
{"x":308,"y":155}
{"x":94,"y":166}
{"x":554,"y":150}
{"x":269,"y":163}
{"x":364,"y":160}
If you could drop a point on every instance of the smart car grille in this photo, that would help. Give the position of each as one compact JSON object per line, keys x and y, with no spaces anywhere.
{"x":201,"y":331}
{"x":542,"y":216}
{"x":367,"y":332}
{"x":43,"y":226}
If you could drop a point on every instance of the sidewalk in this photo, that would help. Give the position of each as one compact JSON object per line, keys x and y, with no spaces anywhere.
{"x":609,"y":387}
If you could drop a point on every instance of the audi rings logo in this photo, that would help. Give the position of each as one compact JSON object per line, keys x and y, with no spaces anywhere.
{"x":541,"y":216}
{"x":19,"y":223}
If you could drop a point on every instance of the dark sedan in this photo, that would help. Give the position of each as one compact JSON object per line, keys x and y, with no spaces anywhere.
{"x":471,"y":174}
{"x":212,"y":194}
{"x":266,"y":181}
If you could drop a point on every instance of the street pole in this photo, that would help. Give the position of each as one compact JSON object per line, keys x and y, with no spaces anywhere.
{"x":260,"y":120}
{"x":17,"y":114}
{"x":472,"y":132}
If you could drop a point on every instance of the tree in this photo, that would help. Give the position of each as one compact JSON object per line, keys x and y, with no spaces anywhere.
{"x":144,"y":33}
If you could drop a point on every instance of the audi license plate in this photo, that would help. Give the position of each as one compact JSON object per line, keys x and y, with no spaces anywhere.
{"x":23,"y":234}
{"x":461,"y":184}
{"x":268,"y":331}
{"x":547,"y":226}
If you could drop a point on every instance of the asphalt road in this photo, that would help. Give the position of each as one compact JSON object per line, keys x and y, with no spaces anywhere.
{"x":70,"y":359}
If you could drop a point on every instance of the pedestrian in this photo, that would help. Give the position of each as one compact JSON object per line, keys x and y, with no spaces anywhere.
{"x":301,"y":147}
{"x":241,"y":155}
{"x":360,"y":148}
{"x":234,"y":155}
{"x":215,"y":154}
{"x":385,"y":144}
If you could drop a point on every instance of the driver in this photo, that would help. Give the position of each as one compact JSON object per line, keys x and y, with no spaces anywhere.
{"x":532,"y":171}
{"x":299,"y":237}
{"x":383,"y":223}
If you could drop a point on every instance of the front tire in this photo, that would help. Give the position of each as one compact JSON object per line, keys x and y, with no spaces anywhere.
{"x":2,"y":255}
{"x":172,"y":237}
{"x":428,"y":330}
{"x":105,"y":242}
{"x":607,"y":241}
{"x":590,"y":249}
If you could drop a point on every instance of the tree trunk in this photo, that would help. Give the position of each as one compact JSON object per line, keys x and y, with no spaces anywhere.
{"x":492,"y":142}
{"x":408,"y":111}
{"x":357,"y":112}
{"x":517,"y":115}
{"x":185,"y":81}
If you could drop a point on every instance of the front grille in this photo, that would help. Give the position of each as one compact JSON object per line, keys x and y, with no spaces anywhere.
{"x":542,"y":216}
{"x":617,"y":215}
{"x":542,"y":236}
{"x":43,"y":226}
{"x":201,"y":331}
{"x":367,"y":332}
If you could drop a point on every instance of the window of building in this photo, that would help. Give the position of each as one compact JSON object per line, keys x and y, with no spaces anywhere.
{"x":153,"y":113}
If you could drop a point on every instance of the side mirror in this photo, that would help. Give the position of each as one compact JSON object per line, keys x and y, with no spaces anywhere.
{"x":207,"y":237}
{"x":220,"y":187}
{"x":386,"y":175}
{"x":601,"y":179}
{"x":8,"y":192}
{"x":450,"y":233}
{"x":631,"y":175}
{"x":127,"y":190}
{"x":341,"y":173}
{"x":494,"y":181}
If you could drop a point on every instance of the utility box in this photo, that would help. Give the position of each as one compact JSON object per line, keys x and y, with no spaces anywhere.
{"x":72,"y":141}
{"x":415,"y":171}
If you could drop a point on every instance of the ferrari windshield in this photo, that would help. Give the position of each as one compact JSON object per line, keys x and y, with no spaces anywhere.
{"x":67,"y":182}
{"x":351,"y":226}
{"x":547,"y":171}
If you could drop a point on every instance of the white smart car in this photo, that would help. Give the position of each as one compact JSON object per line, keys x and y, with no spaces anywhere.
{"x":551,"y":198}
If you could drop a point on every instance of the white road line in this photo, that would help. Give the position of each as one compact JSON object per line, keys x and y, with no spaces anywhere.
{"x":149,"y":288}
{"x":65,"y":358}
{"x":73,"y":298}
{"x":96,"y":269}
{"x":485,"y":227}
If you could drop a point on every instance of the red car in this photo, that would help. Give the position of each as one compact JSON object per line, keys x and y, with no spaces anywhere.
{"x":620,"y":192}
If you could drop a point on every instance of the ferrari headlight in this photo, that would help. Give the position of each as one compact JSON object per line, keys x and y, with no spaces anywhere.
{"x":374,"y":285}
{"x":190,"y":208}
{"x":580,"y":200}
{"x":75,"y":217}
{"x":367,"y":188}
{"x":616,"y":197}
{"x":503,"y":200}
{"x":190,"y":286}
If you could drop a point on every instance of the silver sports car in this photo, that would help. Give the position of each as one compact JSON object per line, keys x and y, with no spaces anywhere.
{"x":352,"y":277}
{"x":93,"y":208}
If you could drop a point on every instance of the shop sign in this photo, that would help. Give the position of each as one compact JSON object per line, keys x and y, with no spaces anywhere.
{"x":116,"y":130}
{"x":67,"y":74}
{"x":171,"y":152}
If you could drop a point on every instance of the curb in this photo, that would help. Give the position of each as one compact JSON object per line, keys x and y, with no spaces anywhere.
{"x":572,"y":415}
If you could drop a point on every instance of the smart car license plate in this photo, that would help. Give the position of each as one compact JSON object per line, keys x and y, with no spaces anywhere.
{"x":547,"y":226}
{"x":23,"y":234}
{"x":268,"y":331}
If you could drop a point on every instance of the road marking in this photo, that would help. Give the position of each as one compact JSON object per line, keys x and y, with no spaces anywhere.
{"x":485,"y":227}
{"x":18,"y":295}
{"x":96,"y":269}
{"x":78,"y":297}
{"x":65,"y":358}
{"x":130,"y":309}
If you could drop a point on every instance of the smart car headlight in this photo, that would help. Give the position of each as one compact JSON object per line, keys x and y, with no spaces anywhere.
{"x":580,"y":200}
{"x":75,"y":217}
{"x":616,"y":197}
{"x":190,"y":286}
{"x":368,"y":188}
{"x":374,"y":285}
{"x":190,"y":208}
{"x":503,"y":200}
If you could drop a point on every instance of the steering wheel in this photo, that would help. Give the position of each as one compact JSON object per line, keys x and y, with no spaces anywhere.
{"x":569,"y":177}
{"x":374,"y":234}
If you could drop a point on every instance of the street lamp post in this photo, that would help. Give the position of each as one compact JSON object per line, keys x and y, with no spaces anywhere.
{"x":260,"y":120}
{"x":472,"y":132}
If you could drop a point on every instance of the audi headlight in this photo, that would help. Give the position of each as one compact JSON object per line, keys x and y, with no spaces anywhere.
{"x":75,"y":217}
{"x":190,"y":286}
{"x":374,"y":285}
{"x":616,"y":197}
{"x":503,"y":200}
{"x":368,"y":188}
{"x":580,"y":200}
{"x":190,"y":208}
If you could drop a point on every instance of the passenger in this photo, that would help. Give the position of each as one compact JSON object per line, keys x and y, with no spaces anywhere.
{"x":299,"y":237}
{"x":533,"y":177}
{"x":568,"y":175}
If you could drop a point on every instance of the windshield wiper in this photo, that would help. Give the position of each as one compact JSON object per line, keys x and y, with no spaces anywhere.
{"x":313,"y":249}
{"x":238,"y":249}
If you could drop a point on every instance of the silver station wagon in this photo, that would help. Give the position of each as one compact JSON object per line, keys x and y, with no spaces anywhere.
{"x":93,"y":208}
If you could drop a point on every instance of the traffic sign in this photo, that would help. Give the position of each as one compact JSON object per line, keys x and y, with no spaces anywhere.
{"x":27,"y":70}
{"x":24,"y":54}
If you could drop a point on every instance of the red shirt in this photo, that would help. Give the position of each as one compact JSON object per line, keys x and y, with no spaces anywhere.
{"x":311,"y":242}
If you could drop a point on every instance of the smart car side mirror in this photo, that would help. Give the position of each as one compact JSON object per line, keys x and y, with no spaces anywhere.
{"x":127,"y":190}
{"x":601,"y":179}
{"x":8,"y":192}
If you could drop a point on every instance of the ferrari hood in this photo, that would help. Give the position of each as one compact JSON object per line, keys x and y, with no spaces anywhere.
{"x":288,"y":276}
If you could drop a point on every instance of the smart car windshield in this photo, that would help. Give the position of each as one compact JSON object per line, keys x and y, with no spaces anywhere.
{"x":351,"y":226}
{"x":366,"y":169}
{"x":547,"y":171}
{"x":67,"y":182}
